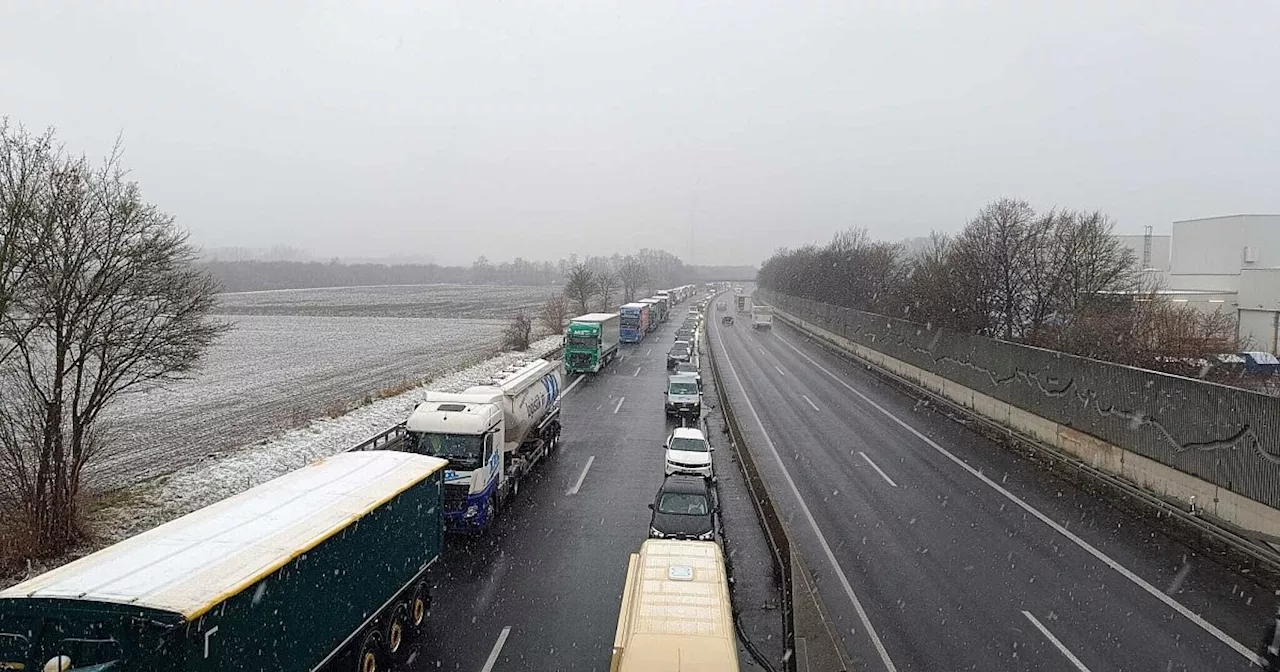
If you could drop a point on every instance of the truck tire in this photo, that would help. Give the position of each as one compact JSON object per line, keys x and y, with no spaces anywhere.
{"x":419,"y":605}
{"x":371,"y":658}
{"x":397,"y":633}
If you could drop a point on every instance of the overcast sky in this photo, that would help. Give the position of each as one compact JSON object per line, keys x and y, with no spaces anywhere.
{"x":544,"y":128}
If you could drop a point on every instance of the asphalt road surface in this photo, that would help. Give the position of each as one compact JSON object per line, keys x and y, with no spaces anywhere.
{"x":937,"y":549}
{"x":541,"y":591}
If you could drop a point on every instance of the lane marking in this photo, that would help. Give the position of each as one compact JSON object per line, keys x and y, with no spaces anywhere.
{"x":637,"y":371}
{"x":813,"y":524}
{"x":779,"y":368}
{"x":1103,"y":557}
{"x":761,"y":350}
{"x":497,"y":649}
{"x":878,"y":469}
{"x":815,"y":406}
{"x":648,"y":352}
{"x":581,"y":477}
{"x":572,"y":385}
{"x":620,"y":400}
{"x":1054,"y":640}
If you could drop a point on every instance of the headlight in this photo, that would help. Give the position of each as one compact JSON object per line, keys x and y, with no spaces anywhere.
{"x":655,"y":533}
{"x":707,"y":536}
{"x":472,"y":511}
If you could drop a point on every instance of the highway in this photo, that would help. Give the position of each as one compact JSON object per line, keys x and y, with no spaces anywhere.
{"x":937,"y":549}
{"x":541,"y":591}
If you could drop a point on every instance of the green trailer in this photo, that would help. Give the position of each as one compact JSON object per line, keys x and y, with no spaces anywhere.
{"x":320,"y":569}
{"x":591,"y":342}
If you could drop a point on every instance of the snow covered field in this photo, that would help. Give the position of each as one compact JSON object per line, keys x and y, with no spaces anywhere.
{"x":295,"y":355}
{"x":199,"y":484}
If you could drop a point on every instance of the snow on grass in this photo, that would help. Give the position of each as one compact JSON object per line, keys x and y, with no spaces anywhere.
{"x":146,"y":505}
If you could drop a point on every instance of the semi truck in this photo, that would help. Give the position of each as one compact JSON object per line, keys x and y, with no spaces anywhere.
{"x":591,"y":342}
{"x":320,"y":569}
{"x":761,"y":317}
{"x":492,"y":435}
{"x":633,"y":322}
{"x":659,"y":310}
{"x":743,"y":303}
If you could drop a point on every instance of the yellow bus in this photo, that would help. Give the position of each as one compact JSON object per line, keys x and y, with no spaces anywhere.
{"x":675,"y":613}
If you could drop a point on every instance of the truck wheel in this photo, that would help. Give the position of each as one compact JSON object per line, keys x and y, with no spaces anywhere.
{"x":397,"y":630}
{"x":419,"y":605}
{"x":371,"y":657}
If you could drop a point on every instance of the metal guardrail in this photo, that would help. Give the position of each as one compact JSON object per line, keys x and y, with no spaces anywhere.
{"x":387,"y":439}
{"x":775,"y":531}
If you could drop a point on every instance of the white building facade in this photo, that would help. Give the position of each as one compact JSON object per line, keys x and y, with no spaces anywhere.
{"x":1229,"y":263}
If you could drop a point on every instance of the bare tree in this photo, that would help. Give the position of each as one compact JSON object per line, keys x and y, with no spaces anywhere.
{"x":581,"y":287}
{"x":632,"y":275}
{"x":516,"y":334}
{"x":111,"y":301}
{"x":24,"y":161}
{"x":555,"y":311}
{"x":606,"y":285}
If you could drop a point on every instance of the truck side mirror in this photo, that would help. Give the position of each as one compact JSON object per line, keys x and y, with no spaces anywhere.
{"x":650,"y":506}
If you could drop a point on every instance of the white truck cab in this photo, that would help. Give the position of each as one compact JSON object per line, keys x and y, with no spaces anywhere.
{"x":683,"y":396}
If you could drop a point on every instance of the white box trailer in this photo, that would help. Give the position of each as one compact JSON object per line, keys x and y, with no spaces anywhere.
{"x":761,"y":317}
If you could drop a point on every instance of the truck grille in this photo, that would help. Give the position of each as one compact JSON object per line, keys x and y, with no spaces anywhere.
{"x":455,"y":496}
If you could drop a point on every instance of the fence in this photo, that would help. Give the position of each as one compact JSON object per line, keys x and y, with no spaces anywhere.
{"x":1226,"y":436}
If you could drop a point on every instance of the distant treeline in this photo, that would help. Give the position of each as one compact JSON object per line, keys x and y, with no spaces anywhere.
{"x":663,"y":269}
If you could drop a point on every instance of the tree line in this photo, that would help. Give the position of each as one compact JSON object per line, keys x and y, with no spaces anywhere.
{"x":99,"y":294}
{"x":664,"y":268}
{"x":1057,"y":279}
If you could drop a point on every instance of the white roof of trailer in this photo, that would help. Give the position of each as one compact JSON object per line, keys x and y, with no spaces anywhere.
{"x":594,"y":317}
{"x":680,"y":615}
{"x":191,"y":564}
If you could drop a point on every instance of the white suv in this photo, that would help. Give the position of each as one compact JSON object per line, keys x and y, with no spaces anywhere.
{"x":688,"y":453}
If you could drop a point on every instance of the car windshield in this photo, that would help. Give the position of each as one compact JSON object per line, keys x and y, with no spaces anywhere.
{"x":683,"y":388}
{"x":684,"y":504}
{"x":691,"y":445}
{"x":464,"y":451}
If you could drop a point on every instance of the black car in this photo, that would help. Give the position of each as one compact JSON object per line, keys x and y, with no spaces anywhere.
{"x":727,"y":320}
{"x":683,"y":509}
{"x":678,"y":353}
{"x":684,"y":334}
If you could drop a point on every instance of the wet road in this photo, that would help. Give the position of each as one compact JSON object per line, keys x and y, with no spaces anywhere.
{"x":936,"y":549}
{"x":541,"y":592}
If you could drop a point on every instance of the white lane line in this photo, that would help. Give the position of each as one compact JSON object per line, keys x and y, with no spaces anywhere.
{"x":620,"y":400}
{"x":804,"y":508}
{"x":572,"y":385}
{"x":1054,"y":640}
{"x":779,"y":368}
{"x":761,"y":350}
{"x":637,"y":371}
{"x":1103,"y":557}
{"x":878,"y":469}
{"x":815,"y":406}
{"x":497,"y":649}
{"x":581,"y":477}
{"x":648,"y":352}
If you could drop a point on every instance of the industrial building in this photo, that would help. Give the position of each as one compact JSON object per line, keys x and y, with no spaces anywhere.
{"x":1229,"y":263}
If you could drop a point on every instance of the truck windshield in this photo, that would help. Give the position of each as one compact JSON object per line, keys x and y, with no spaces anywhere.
{"x":583,"y":341}
{"x":683,"y":388}
{"x":465,"y":452}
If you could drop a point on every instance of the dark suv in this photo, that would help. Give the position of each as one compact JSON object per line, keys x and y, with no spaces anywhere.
{"x":683,"y":509}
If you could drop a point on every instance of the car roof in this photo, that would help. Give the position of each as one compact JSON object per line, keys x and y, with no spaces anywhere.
{"x":688,"y":433}
{"x":684,"y":483}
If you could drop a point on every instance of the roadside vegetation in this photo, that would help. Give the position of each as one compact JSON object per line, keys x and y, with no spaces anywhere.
{"x":1055,"y":279}
{"x":99,"y":295}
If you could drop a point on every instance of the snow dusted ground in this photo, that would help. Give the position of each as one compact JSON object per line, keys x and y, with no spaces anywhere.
{"x":143,"y":506}
{"x":294,"y":355}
